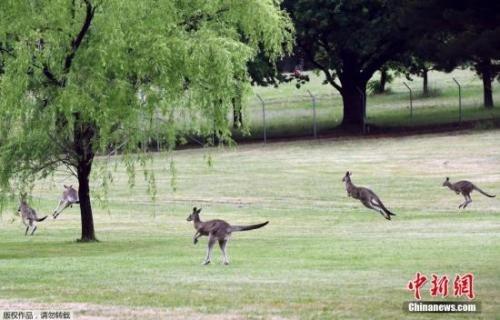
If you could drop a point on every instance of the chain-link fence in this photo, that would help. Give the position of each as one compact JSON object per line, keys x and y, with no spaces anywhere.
{"x":309,"y":112}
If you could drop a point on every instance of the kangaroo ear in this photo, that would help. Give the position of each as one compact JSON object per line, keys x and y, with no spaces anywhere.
{"x":199,"y":210}
{"x":194,"y":209}
{"x":447,"y":178}
{"x":65,"y":186}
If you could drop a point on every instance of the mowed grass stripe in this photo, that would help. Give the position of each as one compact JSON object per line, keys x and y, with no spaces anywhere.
{"x":323,"y":255}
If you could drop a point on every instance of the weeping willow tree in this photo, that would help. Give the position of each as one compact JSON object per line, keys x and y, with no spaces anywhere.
{"x":83,"y":77}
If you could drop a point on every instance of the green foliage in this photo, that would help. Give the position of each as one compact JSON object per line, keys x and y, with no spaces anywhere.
{"x":333,"y":34}
{"x":349,"y":41}
{"x":375,"y":87}
{"x":136,"y":63}
{"x":456,"y":33}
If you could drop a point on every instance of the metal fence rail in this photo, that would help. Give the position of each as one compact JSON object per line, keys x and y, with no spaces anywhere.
{"x":311,"y":114}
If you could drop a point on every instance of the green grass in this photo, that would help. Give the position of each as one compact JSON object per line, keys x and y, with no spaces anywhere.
{"x":289,"y":110}
{"x":322,"y":256}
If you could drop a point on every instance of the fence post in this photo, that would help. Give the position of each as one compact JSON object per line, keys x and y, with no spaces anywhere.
{"x":263,"y":117}
{"x":362,"y":95}
{"x":315,"y":126}
{"x":411,"y":101}
{"x":459,"y":101}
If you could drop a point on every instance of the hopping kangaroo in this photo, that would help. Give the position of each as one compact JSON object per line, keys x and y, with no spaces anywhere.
{"x":28,"y":215}
{"x":465,"y":188}
{"x":216,"y":230}
{"x":366,"y":196}
{"x":68,"y":198}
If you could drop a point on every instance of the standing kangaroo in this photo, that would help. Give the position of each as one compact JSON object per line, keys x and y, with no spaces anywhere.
{"x":366,"y":196}
{"x":28,"y":215}
{"x":68,"y":198}
{"x":216,"y":230}
{"x":465,"y":188}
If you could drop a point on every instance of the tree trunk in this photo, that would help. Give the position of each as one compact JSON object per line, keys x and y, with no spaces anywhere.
{"x":383,"y":80}
{"x":87,"y":219}
{"x":83,"y":136}
{"x":425,"y":89}
{"x":237,"y":113}
{"x":353,"y":99}
{"x":485,"y":70}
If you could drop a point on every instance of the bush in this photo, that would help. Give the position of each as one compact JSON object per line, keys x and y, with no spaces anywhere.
{"x":374,"y":87}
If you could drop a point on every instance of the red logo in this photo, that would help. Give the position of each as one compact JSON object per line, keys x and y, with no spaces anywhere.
{"x":463,"y":285}
{"x":417,"y":284}
{"x":439,"y":286}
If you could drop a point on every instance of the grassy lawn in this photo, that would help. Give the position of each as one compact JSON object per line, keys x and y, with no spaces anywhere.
{"x":289,"y":110}
{"x":322,"y":256}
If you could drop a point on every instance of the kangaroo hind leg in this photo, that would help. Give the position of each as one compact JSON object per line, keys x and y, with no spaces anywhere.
{"x":464,"y":203}
{"x":54,"y":213}
{"x":467,"y":201}
{"x":65,"y":204}
{"x":222,"y":245}
{"x":377,"y":207}
{"x":211,"y":242}
{"x":371,"y":205}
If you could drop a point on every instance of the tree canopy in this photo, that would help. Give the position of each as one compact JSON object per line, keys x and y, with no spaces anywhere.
{"x":348,"y":41}
{"x":459,"y":33}
{"x":82,"y":77}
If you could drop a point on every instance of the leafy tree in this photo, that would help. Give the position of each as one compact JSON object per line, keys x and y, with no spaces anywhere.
{"x":379,"y":86}
{"x":263,"y":71}
{"x":412,"y":63}
{"x":460,"y":33}
{"x":83,"y":77}
{"x":421,"y":68}
{"x":348,"y":41}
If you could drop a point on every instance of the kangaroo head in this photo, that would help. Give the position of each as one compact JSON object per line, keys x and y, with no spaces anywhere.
{"x":347,"y":177}
{"x":446,"y":182}
{"x":23,"y":201}
{"x":68,"y":187}
{"x":24,"y":195}
{"x":194,"y":214}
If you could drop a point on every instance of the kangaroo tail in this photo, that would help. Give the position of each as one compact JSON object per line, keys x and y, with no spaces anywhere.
{"x":481,"y":191}
{"x":246,"y":228}
{"x":41,"y":219}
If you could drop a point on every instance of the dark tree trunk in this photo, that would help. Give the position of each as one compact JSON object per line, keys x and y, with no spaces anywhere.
{"x":84,"y":133}
{"x":485,"y":69}
{"x":87,"y":219}
{"x":425,"y":88}
{"x":237,"y":113}
{"x":353,"y":98}
{"x":352,"y":88}
{"x":383,"y":80}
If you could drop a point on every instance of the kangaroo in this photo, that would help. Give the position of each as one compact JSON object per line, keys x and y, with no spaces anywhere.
{"x":465,"y":188}
{"x":216,"y":230}
{"x":68,"y":198}
{"x":28,"y":215}
{"x":367,"y":197}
